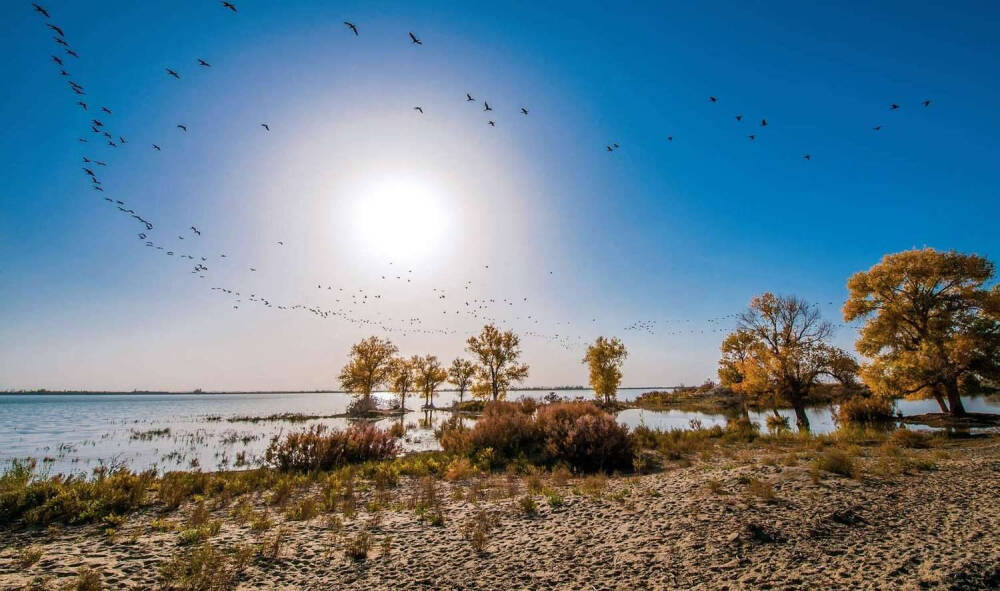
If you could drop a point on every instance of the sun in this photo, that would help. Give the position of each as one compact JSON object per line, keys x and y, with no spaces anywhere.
{"x":402,"y":218}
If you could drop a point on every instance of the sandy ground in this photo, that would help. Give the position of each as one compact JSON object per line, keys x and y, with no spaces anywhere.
{"x":937,"y":529}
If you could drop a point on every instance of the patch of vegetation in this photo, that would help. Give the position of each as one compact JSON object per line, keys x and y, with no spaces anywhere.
{"x":861,"y":410}
{"x":150,"y":434}
{"x":836,"y":461}
{"x":320,"y":448}
{"x":206,"y":568}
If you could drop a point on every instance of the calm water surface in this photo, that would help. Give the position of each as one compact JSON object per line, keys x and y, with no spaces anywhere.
{"x":73,"y":433}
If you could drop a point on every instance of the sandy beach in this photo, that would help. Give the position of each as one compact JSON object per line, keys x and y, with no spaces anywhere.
{"x":757,"y":518}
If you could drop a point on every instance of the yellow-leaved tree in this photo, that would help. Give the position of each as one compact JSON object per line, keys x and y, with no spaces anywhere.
{"x":780,"y":352}
{"x":931,"y":320}
{"x":460,"y":375}
{"x":402,"y":378}
{"x":498,"y":353}
{"x":367,"y":368}
{"x":430,"y":374}
{"x":604,"y":359}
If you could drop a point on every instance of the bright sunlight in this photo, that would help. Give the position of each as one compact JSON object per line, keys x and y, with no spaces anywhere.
{"x":403,"y":218}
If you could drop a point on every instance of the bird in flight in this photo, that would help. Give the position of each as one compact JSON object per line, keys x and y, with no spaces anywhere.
{"x":752,"y":137}
{"x":877,"y":127}
{"x":72,"y":53}
{"x":807,"y":157}
{"x":713,"y":99}
{"x":352,"y":27}
{"x":739,"y":117}
{"x":414,"y":39}
{"x":82,"y":104}
{"x":173,"y":73}
{"x":155,"y":147}
{"x":610,"y":149}
{"x":57,"y":60}
{"x":893,"y":107}
{"x":492,"y":123}
{"x":419,"y":109}
{"x":106,"y":110}
{"x":927,"y":102}
{"x":203,"y":63}
{"x":670,"y":138}
{"x":56,"y":29}
{"x":60,"y":41}
{"x":280,"y":243}
{"x":182,"y":127}
{"x":763,"y":122}
{"x":228,"y":5}
{"x":41,"y":10}
{"x":487,"y":106}
{"x":524,"y":111}
{"x":468,"y":98}
{"x":195,"y":230}
{"x":121,"y":139}
{"x":265,"y":126}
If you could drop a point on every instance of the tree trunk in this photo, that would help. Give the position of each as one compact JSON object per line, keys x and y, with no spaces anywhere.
{"x":954,"y":398}
{"x":801,"y":419}
{"x":936,"y":390}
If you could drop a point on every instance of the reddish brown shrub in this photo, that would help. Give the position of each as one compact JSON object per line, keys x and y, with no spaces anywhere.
{"x":319,"y":448}
{"x":584,"y":437}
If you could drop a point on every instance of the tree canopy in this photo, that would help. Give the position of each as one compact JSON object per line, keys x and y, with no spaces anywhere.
{"x":497,"y":354}
{"x":604,"y":359}
{"x":460,"y":374}
{"x":780,"y":350}
{"x":367,"y":368}
{"x":931,"y":320}
{"x":430,"y":374}
{"x":402,"y":377}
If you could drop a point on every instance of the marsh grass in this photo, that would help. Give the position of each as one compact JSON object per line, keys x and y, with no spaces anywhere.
{"x":478,"y":527}
{"x":206,"y":568}
{"x":358,"y":546}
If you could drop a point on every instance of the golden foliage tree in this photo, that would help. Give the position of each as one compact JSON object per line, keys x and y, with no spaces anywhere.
{"x":460,"y":374}
{"x":498,"y":368}
{"x":430,"y":374}
{"x":930,"y":321}
{"x":604,"y":359}
{"x":367,"y":368}
{"x":779,"y":350}
{"x":402,"y":377}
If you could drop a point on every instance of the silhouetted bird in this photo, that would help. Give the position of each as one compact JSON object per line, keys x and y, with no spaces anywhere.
{"x":893,"y":107}
{"x":670,"y":138}
{"x":487,"y":106}
{"x":419,"y":109}
{"x":280,"y":243}
{"x":468,"y":97}
{"x":763,"y":122}
{"x":173,"y":73}
{"x":610,"y":149}
{"x":106,"y":110}
{"x":38,"y":8}
{"x":182,"y":127}
{"x":492,"y":123}
{"x":60,"y":41}
{"x":713,"y":99}
{"x":926,"y":103}
{"x":266,"y":126}
{"x":57,"y":60}
{"x":877,"y":127}
{"x":203,"y":63}
{"x":56,"y":29}
{"x":121,"y":139}
{"x":807,"y":157}
{"x":82,"y":104}
{"x":72,"y":53}
{"x":752,"y":137}
{"x":228,"y":5}
{"x":414,"y":39}
{"x":352,"y":27}
{"x":63,"y":73}
{"x":155,"y":147}
{"x":524,"y":111}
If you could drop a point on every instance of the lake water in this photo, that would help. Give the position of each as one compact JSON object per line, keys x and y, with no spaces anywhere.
{"x":73,"y":433}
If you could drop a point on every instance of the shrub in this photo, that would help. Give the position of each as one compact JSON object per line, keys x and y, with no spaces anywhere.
{"x":460,"y":469}
{"x":761,"y":489}
{"x":88,"y":579}
{"x":777,"y":423}
{"x":478,"y":528}
{"x":396,"y":430}
{"x":508,"y":431}
{"x":205,"y":568}
{"x":584,"y":437}
{"x":28,"y":556}
{"x":865,"y":410}
{"x":908,"y":438}
{"x":69,"y":499}
{"x":835,"y":461}
{"x":321,"y":449}
{"x":527,"y":505}
{"x":357,"y":547}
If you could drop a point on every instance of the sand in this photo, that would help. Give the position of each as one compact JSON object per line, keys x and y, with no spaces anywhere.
{"x":936,"y":529}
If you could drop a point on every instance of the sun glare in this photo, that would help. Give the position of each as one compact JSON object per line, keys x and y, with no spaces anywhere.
{"x":401,"y":218}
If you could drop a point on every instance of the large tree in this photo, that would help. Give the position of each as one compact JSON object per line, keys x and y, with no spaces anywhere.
{"x":367,"y":368}
{"x":430,"y":374}
{"x":931,"y":319}
{"x":604,"y":359}
{"x":498,"y":368}
{"x":780,"y":350}
{"x":460,"y":374}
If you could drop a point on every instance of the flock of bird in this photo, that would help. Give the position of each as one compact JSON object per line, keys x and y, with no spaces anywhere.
{"x":357,"y":306}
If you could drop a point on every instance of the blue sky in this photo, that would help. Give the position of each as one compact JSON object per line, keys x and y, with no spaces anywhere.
{"x":678,"y":232}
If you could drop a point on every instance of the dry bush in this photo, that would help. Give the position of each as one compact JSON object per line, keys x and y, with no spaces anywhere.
{"x":778,"y":423}
{"x":320,"y":448}
{"x":205,"y":568}
{"x":357,"y":547}
{"x":714,"y":486}
{"x":560,"y":475}
{"x":584,"y":437}
{"x":859,"y":410}
{"x":28,"y":556}
{"x":477,"y":529}
{"x":460,"y":469}
{"x":835,"y":461}
{"x":87,"y":579}
{"x":527,"y":505}
{"x":396,"y":430}
{"x":909,"y":438}
{"x":304,"y":510}
{"x":761,"y":489}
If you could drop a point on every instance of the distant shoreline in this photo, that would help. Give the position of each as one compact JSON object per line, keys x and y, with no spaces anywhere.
{"x":229,"y":392}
